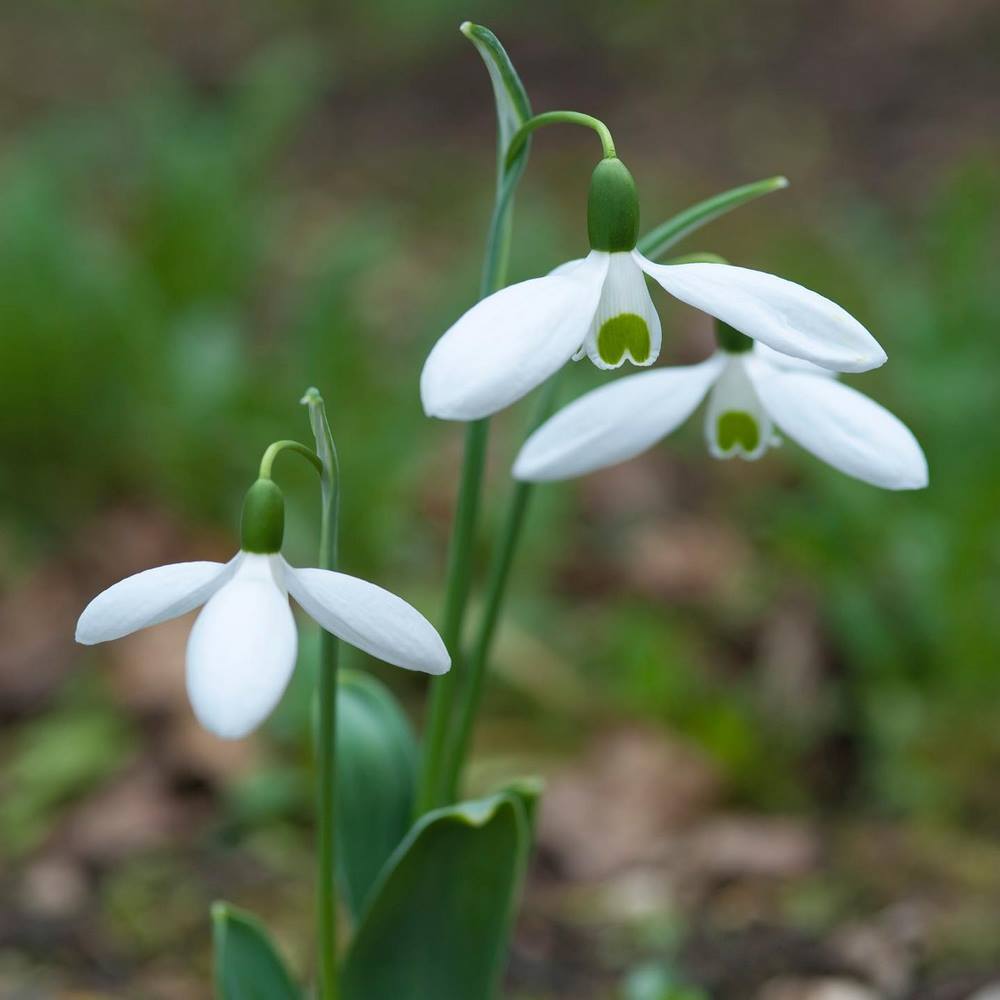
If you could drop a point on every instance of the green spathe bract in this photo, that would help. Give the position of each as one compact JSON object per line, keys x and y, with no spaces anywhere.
{"x":737,"y":427}
{"x":262,"y":526}
{"x":612,"y":207}
{"x":621,"y":333}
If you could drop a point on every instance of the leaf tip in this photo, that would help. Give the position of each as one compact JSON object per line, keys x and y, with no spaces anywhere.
{"x":780,"y":182}
{"x":219,"y":911}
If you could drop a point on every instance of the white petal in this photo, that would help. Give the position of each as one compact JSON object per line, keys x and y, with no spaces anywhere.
{"x":241,"y":653}
{"x":785,"y":362}
{"x":370,"y":618}
{"x":568,"y":268}
{"x":510,"y":342}
{"x":735,"y":421}
{"x":626,"y":325}
{"x":843,"y":427}
{"x":148,"y":598}
{"x":615,"y":422}
{"x":791,"y":319}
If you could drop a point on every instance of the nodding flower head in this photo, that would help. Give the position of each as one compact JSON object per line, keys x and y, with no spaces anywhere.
{"x":751,"y":394}
{"x":599,"y":307}
{"x":242,"y":648}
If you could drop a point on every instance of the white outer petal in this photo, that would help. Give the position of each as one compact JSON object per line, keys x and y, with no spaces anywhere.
{"x":511,"y":342}
{"x":150,"y":597}
{"x":779,"y":313}
{"x":615,"y":422}
{"x":843,"y":427}
{"x":241,"y":652}
{"x":370,"y":618}
{"x":567,"y":268}
{"x":785,"y":362}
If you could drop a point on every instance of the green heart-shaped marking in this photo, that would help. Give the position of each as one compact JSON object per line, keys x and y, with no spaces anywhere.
{"x":737,"y":427}
{"x":621,"y":333}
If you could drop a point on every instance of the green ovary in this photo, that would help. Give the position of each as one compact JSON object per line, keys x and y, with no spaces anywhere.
{"x":625,"y":332}
{"x":738,"y":428}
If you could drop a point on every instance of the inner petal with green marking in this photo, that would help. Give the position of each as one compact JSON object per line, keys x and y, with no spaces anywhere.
{"x":621,"y":334}
{"x":737,"y":429}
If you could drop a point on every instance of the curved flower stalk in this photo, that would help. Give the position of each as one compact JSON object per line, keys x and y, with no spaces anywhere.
{"x":242,"y":648}
{"x":600,"y":307}
{"x":751,"y":391}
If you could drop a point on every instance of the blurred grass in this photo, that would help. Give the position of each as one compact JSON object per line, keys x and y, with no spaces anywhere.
{"x":181,"y":257}
{"x":173,"y":278}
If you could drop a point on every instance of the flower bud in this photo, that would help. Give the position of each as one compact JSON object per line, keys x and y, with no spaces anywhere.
{"x":262,"y":525}
{"x":612,"y":208}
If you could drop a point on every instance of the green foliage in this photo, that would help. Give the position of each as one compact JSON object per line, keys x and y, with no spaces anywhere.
{"x":653,"y":982}
{"x":51,"y":762}
{"x":659,"y":240}
{"x":247,"y":964}
{"x":376,"y":777}
{"x":437,"y":925}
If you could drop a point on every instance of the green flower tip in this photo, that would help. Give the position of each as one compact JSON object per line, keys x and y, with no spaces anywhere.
{"x":626,"y":333}
{"x":262,"y":526}
{"x":612,"y":207}
{"x":731,"y":341}
{"x":738,"y":428}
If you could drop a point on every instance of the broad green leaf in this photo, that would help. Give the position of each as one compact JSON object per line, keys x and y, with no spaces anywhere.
{"x":657,"y":241}
{"x":528,"y":790}
{"x":512,"y":105}
{"x":247,"y":964}
{"x":440,"y":916}
{"x":376,"y":777}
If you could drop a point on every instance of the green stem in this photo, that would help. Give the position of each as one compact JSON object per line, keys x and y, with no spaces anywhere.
{"x":499,"y":575}
{"x":326,"y":730}
{"x":520,"y":137}
{"x":431,"y":789}
{"x":435,"y":784}
{"x":274,"y":450}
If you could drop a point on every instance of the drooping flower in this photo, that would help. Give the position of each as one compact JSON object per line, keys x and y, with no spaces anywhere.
{"x":751,"y":391}
{"x":599,"y":306}
{"x":242,"y":648}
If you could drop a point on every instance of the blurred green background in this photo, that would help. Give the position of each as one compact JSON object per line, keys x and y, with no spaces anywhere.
{"x":766,"y":697}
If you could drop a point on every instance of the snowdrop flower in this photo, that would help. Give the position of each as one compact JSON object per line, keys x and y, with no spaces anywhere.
{"x":242,"y":648}
{"x":751,"y":391}
{"x":600,"y":307}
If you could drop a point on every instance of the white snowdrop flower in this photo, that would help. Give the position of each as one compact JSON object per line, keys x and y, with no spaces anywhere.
{"x":751,"y":391}
{"x":242,"y":648}
{"x":599,"y":306}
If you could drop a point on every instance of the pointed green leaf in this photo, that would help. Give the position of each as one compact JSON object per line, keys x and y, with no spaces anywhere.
{"x":701,"y":257}
{"x":247,"y":964}
{"x":657,"y":241}
{"x":376,"y":779}
{"x":440,"y":916}
{"x":513,"y":107}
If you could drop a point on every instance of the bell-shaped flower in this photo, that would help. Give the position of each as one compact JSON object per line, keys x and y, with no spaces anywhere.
{"x":242,"y":648}
{"x":752,"y":391}
{"x":513,"y":340}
